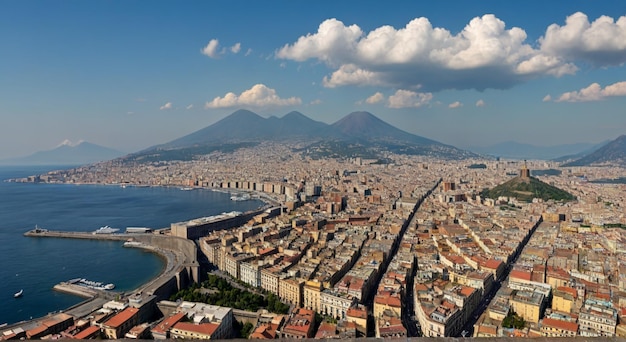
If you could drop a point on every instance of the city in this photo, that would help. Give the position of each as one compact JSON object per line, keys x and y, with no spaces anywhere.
{"x":358,"y":248}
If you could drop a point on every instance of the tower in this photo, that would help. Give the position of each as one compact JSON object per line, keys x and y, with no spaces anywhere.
{"x":524,"y":172}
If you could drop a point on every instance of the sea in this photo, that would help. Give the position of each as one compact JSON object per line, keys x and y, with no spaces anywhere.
{"x":35,"y":265}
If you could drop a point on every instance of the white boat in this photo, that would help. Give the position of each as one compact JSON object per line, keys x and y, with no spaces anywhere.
{"x":106,"y":230}
{"x":18,"y":294}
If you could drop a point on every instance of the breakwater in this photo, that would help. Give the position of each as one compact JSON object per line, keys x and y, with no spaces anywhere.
{"x":182,"y":267}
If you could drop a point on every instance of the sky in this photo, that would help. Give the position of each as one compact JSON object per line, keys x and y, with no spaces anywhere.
{"x":132,"y":74}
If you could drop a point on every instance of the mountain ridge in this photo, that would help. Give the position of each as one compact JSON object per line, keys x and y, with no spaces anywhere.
{"x":613,"y":152}
{"x":69,"y":154}
{"x":362,"y":128}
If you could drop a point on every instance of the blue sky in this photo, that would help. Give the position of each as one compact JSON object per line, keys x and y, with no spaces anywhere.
{"x":132,"y":74}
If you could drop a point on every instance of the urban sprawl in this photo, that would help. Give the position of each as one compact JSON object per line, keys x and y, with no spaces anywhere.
{"x":357,"y":248}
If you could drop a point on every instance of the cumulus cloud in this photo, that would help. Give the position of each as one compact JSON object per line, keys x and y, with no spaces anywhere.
{"x":601,"y":42}
{"x":594,"y":92}
{"x":485,"y":54}
{"x":455,"y":104}
{"x":235,"y":48}
{"x":248,"y":52}
{"x":480,"y":103}
{"x":376,"y":98}
{"x":547,"y":98}
{"x":211,"y":49}
{"x":315,"y":102}
{"x":408,"y":99}
{"x":189,"y":107}
{"x":167,"y":106}
{"x":257,"y":96}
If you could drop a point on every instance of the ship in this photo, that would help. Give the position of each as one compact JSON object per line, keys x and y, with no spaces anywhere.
{"x":106,"y":230}
{"x":18,"y":294}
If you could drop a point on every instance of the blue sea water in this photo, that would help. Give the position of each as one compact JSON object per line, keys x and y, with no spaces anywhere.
{"x":37,"y":264}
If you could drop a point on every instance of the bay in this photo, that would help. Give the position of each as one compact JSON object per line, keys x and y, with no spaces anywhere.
{"x":37,"y":264}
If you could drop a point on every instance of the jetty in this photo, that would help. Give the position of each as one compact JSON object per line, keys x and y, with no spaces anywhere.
{"x":180,"y":255}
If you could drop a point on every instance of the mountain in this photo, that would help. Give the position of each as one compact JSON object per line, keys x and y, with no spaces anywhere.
{"x":357,"y":134}
{"x":68,"y":154}
{"x":614,"y":152}
{"x":581,"y":154}
{"x":244,"y":125}
{"x":516,"y":150}
{"x":364,"y":125}
{"x":527,"y":188}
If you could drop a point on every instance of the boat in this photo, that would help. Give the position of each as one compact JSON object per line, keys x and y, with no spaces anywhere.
{"x":238,"y":198}
{"x":18,"y":294}
{"x":106,"y":230}
{"x":109,"y":286}
{"x":186,"y":189}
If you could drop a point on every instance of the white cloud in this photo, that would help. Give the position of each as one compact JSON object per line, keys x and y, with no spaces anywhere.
{"x":130,"y":113}
{"x":376,"y":98}
{"x":408,"y":99}
{"x":480,"y":103}
{"x":257,"y":96}
{"x":235,"y":48}
{"x":455,"y":104}
{"x":316,"y":102}
{"x":68,"y":142}
{"x":166,"y":106}
{"x":601,"y":42}
{"x":211,"y":49}
{"x":547,"y":98}
{"x":594,"y":92}
{"x":485,"y":54}
{"x":189,"y":107}
{"x":248,"y":52}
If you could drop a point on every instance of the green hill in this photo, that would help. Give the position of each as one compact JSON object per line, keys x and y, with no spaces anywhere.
{"x":525,"y":189}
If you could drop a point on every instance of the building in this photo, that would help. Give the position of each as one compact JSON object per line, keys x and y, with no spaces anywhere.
{"x":117,"y":326}
{"x":564,"y":299}
{"x":192,"y":331}
{"x":162,"y":330}
{"x":597,"y":319}
{"x":290,"y":291}
{"x":336,"y":304}
{"x":556,"y":328}
{"x":312,"y":295}
{"x":386,"y":300}
{"x":528,"y":305}
{"x":199,"y":313}
{"x":299,"y":325}
{"x":52,"y":325}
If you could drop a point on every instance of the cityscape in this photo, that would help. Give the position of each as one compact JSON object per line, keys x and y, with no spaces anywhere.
{"x":318,"y":171}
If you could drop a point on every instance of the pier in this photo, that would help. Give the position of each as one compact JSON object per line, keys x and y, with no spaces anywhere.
{"x":180,"y":255}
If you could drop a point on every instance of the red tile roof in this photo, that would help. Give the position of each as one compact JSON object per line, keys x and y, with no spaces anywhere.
{"x":121,"y":317}
{"x":202,"y":328}
{"x":87,"y":332}
{"x":520,"y":275}
{"x":168,"y":323}
{"x":563,"y":325}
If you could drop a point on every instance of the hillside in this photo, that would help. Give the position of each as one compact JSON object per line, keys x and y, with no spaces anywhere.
{"x":525,"y":189}
{"x":357,"y":134}
{"x":614,"y":152}
{"x":67,"y":154}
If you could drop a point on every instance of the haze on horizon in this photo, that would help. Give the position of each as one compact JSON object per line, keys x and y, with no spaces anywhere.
{"x":128,"y":75}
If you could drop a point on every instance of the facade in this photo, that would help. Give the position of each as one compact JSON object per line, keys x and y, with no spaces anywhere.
{"x":191,"y":331}
{"x":117,"y":326}
{"x":556,"y":328}
{"x":336,"y":304}
{"x":528,"y":305}
{"x":312,"y":295}
{"x":269,"y":280}
{"x":597,"y":320}
{"x":290,"y":291}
